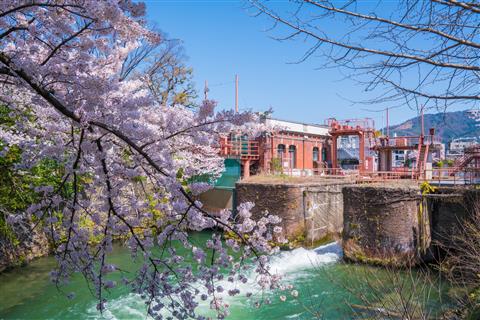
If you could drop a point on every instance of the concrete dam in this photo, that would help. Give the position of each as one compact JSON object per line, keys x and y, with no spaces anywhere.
{"x":392,"y":223}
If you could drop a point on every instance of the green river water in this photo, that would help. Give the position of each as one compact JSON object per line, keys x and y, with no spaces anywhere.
{"x":317,"y":274}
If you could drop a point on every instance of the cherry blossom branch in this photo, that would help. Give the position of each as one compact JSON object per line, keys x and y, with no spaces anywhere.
{"x":65,"y":41}
{"x":95,"y":123}
{"x":61,"y":108}
{"x":75,"y":190}
{"x":38,"y":4}
{"x":65,"y":111}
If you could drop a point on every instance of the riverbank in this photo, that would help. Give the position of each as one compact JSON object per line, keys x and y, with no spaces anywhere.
{"x":22,"y":242}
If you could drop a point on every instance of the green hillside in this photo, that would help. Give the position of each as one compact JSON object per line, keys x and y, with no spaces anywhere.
{"x":448,"y":125}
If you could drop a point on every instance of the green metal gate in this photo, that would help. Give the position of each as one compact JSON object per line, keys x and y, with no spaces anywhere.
{"x":230,"y":176}
{"x":228,"y":179}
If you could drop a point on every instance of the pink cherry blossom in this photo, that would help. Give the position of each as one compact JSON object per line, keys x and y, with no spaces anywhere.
{"x":130,"y":162}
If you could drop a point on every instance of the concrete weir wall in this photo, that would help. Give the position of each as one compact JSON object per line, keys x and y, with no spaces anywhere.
{"x":398,"y":225}
{"x":447,"y":209}
{"x":308,"y":211}
{"x":323,"y":211}
{"x":381,"y":223}
{"x":392,"y":223}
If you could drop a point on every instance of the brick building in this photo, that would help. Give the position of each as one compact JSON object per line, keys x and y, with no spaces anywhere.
{"x":298,"y":148}
{"x":294,"y":149}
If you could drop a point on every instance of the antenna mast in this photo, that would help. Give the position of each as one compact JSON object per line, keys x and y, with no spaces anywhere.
{"x":236,"y":93}
{"x":206,"y":90}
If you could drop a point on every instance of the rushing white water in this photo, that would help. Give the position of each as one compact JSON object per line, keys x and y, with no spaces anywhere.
{"x":129,"y":306}
{"x":299,"y":259}
{"x":290,"y":264}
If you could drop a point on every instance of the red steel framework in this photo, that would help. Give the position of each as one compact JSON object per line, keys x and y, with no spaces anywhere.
{"x":422,"y":144}
{"x":242,"y":148}
{"x":469,"y":160}
{"x":363,"y":128}
{"x":248,"y":150}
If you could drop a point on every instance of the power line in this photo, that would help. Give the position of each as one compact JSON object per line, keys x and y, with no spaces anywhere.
{"x":221,"y":84}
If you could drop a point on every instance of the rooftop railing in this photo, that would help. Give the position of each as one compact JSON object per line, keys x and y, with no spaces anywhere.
{"x":406,"y":141}
{"x":239,"y":148}
{"x":351,"y":124}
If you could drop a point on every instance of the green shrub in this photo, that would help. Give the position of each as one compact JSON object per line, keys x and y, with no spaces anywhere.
{"x":17,"y":186}
{"x":276,"y":165}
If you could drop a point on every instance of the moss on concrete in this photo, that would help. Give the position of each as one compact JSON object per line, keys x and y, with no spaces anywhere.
{"x":354,"y":253}
{"x":328,"y":238}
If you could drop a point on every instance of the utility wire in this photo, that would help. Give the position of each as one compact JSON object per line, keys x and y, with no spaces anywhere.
{"x":221,"y":84}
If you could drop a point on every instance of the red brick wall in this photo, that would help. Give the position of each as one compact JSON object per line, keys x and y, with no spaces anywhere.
{"x":304,"y":148}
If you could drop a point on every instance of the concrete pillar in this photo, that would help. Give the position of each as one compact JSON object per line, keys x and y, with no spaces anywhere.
{"x":361,"y":160}
{"x":334,"y":154}
{"x":385,"y":160}
{"x":246,"y":168}
{"x":428,"y":171}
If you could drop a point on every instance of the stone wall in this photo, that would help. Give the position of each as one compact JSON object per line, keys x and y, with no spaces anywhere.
{"x":215,"y":200}
{"x":31,"y":244}
{"x":397,"y":225}
{"x":388,"y":224}
{"x":286,"y":201}
{"x":448,"y":208}
{"x":381,"y":224}
{"x":308,"y":211}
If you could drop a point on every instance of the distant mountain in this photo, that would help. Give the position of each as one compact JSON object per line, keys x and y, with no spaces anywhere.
{"x":448,"y":125}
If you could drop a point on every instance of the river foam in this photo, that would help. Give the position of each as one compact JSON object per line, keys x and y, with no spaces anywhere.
{"x":290,"y":264}
{"x":129,"y":306}
{"x":302,"y":259}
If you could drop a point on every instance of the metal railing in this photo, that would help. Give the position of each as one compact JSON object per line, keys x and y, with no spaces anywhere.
{"x":406,"y":141}
{"x":435,"y":176}
{"x":452,"y":176}
{"x":355,"y":124}
{"x":338,"y":172}
{"x":240,"y":148}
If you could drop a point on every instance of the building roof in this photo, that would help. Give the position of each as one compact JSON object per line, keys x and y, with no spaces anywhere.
{"x":299,"y":127}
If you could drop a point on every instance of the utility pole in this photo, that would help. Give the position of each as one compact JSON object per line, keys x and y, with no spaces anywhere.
{"x":423,"y":123}
{"x":388,"y":129}
{"x":387,"y":111}
{"x":236,"y":93}
{"x":422,"y":134}
{"x":206,"y":90}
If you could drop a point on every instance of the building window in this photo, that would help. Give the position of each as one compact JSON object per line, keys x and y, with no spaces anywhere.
{"x":292,"y":154}
{"x":281,"y":151}
{"x":315,"y":154}
{"x":324,"y":154}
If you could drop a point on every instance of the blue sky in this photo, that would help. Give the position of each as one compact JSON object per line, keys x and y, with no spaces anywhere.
{"x":221,"y":39}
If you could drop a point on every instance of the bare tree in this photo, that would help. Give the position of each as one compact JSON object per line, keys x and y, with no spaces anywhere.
{"x":163,"y":68}
{"x":419,"y":53}
{"x":462,"y":263}
{"x":364,"y":292}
